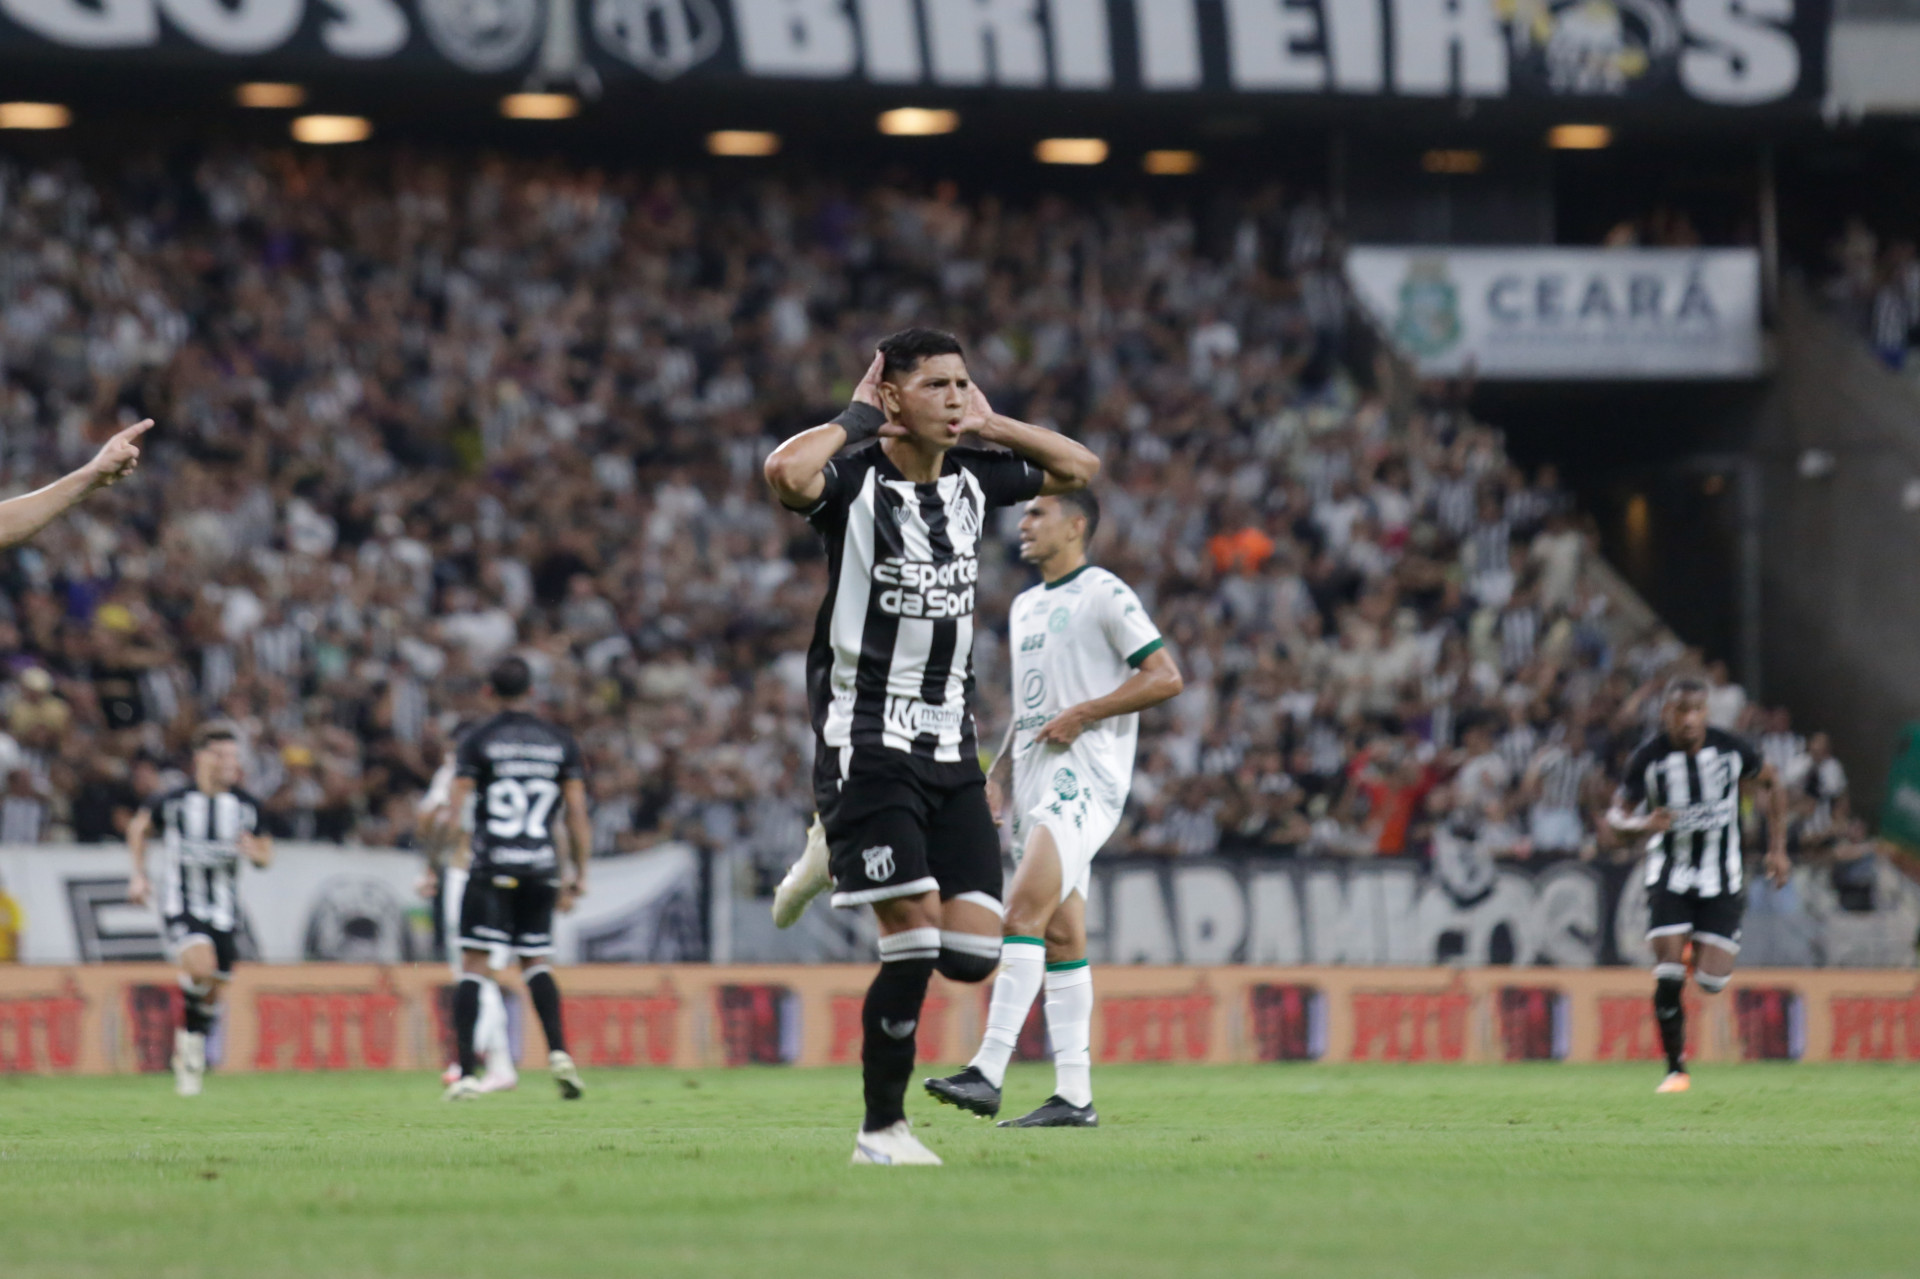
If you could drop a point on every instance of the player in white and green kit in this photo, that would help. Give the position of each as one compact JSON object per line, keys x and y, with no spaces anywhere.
{"x":1086,"y":661}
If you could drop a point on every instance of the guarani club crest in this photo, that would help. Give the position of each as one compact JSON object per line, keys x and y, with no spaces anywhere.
{"x":1429,"y":319}
{"x":1593,"y":46}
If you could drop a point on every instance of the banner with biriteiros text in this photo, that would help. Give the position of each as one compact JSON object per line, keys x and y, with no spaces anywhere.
{"x":1527,"y":314}
{"x":1713,"y":54}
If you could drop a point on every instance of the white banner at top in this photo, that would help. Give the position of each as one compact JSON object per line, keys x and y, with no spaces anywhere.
{"x":1571,"y":314}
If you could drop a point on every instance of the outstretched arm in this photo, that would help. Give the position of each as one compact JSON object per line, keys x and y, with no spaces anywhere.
{"x":23,"y":516}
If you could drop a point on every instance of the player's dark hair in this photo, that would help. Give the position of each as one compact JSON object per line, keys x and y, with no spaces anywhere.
{"x":218,"y":731}
{"x":1083,"y":501}
{"x":902,"y":352}
{"x":1684,"y":686}
{"x":511,"y":678}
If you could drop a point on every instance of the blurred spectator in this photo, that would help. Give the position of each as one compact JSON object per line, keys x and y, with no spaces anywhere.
{"x":416,"y":413}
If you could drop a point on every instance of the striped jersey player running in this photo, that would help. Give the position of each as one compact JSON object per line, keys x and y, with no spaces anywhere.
{"x":1682,"y":788}
{"x":1086,"y":661}
{"x":205,"y":829}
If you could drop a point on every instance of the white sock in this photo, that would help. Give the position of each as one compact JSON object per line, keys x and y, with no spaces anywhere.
{"x":1070,"y":1031}
{"x":490,"y":1032}
{"x":1023,"y":963}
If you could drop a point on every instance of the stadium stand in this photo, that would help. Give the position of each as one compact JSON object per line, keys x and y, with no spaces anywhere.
{"x":415,"y":414}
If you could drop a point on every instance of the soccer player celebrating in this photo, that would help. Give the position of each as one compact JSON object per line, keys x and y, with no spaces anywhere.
{"x":1086,"y":661}
{"x":512,"y":772}
{"x":1683,"y":788}
{"x":902,"y":801}
{"x":205,"y":828}
{"x":21,"y":517}
{"x":438,"y":826}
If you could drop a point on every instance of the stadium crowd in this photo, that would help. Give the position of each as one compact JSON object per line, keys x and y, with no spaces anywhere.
{"x":415,"y":415}
{"x":1876,"y":284}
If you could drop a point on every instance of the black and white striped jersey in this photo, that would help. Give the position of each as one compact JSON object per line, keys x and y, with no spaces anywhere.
{"x":891,"y":663}
{"x":200,"y":852}
{"x":1701,"y":853}
{"x":518,"y":763}
{"x":1563,"y":773}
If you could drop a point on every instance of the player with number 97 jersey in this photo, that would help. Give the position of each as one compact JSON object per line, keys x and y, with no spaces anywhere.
{"x":518,"y":763}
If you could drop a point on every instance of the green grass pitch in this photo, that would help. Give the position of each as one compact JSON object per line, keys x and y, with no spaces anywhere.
{"x":1197,"y":1171}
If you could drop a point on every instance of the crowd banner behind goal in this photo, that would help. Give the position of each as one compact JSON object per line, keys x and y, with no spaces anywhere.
{"x":1725,"y":55}
{"x":1566,"y":314}
{"x":119,"y":1018}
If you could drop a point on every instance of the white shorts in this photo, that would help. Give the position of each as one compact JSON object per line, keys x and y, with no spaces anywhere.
{"x":451,"y":896}
{"x":1080,"y":824}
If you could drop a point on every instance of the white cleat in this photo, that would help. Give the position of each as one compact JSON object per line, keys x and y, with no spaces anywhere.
{"x":465,"y":1088}
{"x":892,"y":1145}
{"x":451,"y":1073}
{"x":806,"y":879}
{"x":565,"y":1076}
{"x":189,"y":1062}
{"x":500,"y":1076}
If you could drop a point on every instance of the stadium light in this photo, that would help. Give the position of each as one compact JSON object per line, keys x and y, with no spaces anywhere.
{"x":34,"y":115}
{"x":918,"y":122}
{"x":1440,"y":161}
{"x":742,"y":142}
{"x":1580,"y":137}
{"x":269,"y":95}
{"x":1170,"y":163}
{"x":539,"y":106}
{"x":331,"y":130}
{"x":1071,"y":151}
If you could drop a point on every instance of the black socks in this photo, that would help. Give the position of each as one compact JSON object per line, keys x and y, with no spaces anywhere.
{"x":889,"y":1019}
{"x":545,"y":993}
{"x":466,"y":1015}
{"x":1669,"y":1015}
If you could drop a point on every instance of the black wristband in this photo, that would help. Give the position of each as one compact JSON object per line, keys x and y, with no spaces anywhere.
{"x":861,"y":421}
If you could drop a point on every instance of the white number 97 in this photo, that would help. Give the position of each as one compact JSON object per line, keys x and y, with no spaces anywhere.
{"x":517,"y":809}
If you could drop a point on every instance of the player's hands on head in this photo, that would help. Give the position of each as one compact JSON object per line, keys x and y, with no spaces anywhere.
{"x":119,"y":456}
{"x":979,"y":413}
{"x":868,"y":391}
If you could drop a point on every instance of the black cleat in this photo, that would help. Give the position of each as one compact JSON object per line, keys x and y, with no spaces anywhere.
{"x":968,"y":1090}
{"x":1056,"y":1112}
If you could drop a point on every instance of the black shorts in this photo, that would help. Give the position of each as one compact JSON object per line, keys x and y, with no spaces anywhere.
{"x":508,"y":910}
{"x":182,"y":929}
{"x":1715,"y":920}
{"x":899,"y":826}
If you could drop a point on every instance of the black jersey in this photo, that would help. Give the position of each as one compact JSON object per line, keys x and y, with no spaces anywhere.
{"x":518,"y":762}
{"x":891,"y":663}
{"x":199,"y":870}
{"x":1700,"y":854}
